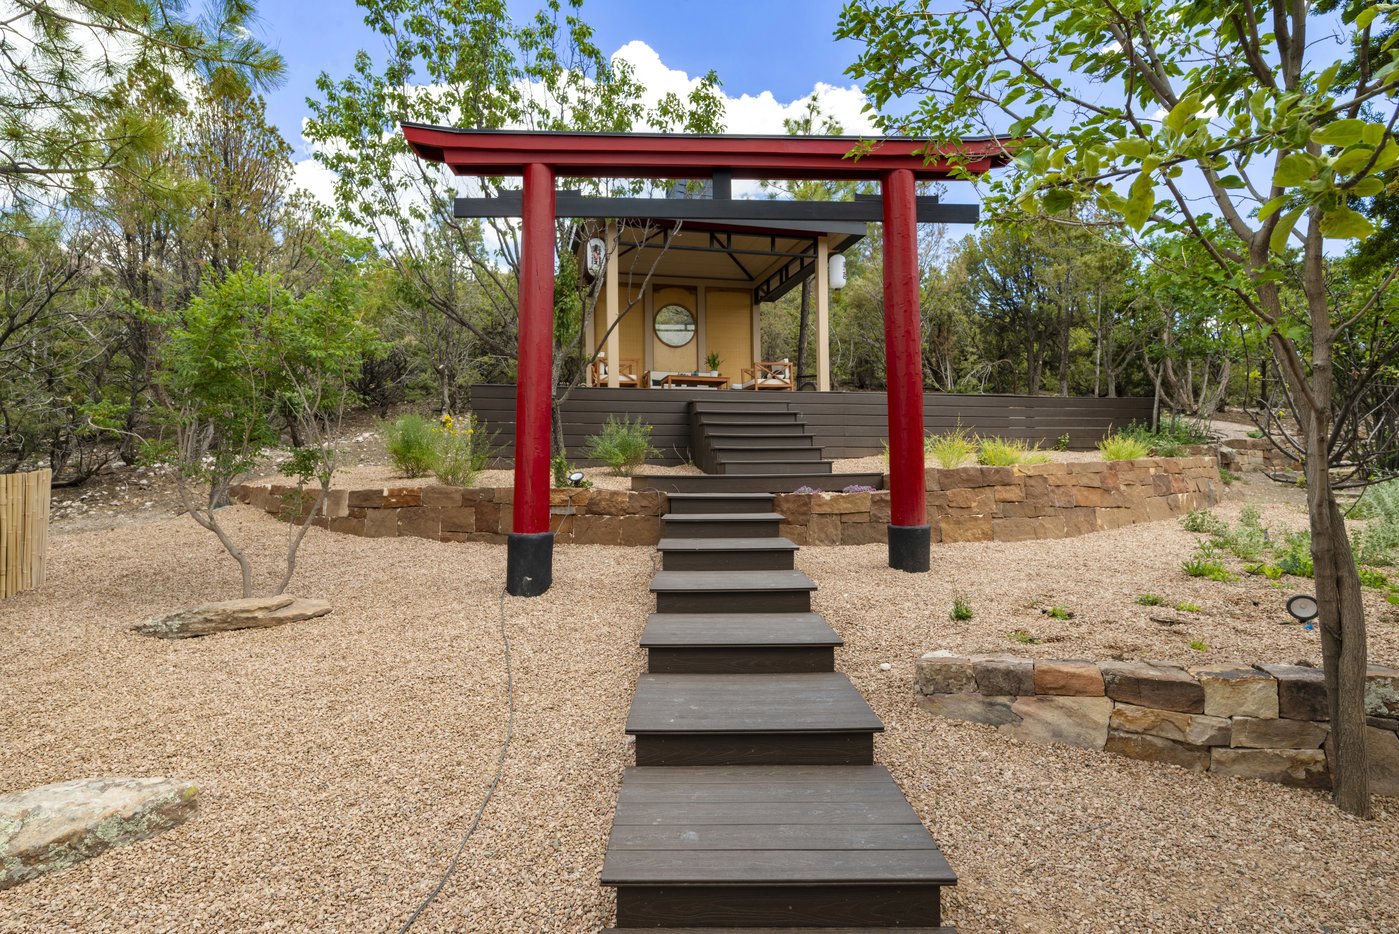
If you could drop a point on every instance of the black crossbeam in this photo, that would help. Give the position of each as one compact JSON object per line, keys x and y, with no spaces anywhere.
{"x":572,"y":204}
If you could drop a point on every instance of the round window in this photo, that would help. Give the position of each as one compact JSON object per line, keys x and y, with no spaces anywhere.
{"x":675,"y":325}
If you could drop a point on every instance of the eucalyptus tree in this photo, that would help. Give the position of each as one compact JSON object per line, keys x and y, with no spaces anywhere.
{"x":1168,"y":116}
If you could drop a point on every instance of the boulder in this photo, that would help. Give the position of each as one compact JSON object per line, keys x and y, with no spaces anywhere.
{"x":942,"y":672}
{"x":1004,"y":674}
{"x":1157,"y":749}
{"x":976,"y":708}
{"x":1071,"y":721}
{"x":1070,"y":676}
{"x":1145,"y":684}
{"x":1238,"y":691}
{"x":1382,"y":691}
{"x":1301,"y":692}
{"x":229,"y":615}
{"x":1195,"y":729}
{"x":1383,"y":749}
{"x":1278,"y":734}
{"x":1300,"y":768}
{"x":54,"y":826}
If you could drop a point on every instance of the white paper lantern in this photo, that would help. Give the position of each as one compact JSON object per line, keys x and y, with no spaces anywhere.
{"x":597,"y":256}
{"x":836,"y":270}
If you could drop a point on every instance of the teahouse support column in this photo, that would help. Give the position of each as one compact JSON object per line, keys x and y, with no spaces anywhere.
{"x":823,"y":313}
{"x":529,"y":568}
{"x":910,"y":538}
{"x":611,"y":308}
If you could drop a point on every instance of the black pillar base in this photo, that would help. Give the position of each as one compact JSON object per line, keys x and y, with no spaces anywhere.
{"x":910,"y":547}
{"x":529,"y":563}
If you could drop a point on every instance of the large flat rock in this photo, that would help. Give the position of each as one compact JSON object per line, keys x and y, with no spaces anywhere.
{"x":52,"y":827}
{"x":230,"y":615}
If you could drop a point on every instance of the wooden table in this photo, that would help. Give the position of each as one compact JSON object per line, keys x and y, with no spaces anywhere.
{"x":694,"y":380}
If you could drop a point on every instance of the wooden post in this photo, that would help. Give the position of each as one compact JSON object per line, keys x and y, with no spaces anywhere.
{"x":823,"y":313}
{"x":530,"y":555}
{"x":611,"y":308}
{"x":909,"y":535}
{"x":24,"y":530}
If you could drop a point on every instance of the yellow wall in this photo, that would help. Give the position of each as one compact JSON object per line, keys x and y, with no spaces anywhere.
{"x":629,"y":334}
{"x":675,"y":359}
{"x":728,"y":329}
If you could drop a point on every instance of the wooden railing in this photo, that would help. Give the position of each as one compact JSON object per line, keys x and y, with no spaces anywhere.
{"x":24,"y":530}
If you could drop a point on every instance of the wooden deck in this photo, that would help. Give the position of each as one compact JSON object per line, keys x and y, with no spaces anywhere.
{"x":755,"y":804}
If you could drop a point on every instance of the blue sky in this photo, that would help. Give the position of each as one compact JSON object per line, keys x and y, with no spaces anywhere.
{"x":781,"y":46}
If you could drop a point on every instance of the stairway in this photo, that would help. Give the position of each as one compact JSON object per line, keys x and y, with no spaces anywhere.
{"x":758,"y":438}
{"x":755,"y":804}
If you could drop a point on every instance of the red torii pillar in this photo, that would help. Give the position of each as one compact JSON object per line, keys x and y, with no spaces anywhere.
{"x":529,"y":563}
{"x":910,"y":537}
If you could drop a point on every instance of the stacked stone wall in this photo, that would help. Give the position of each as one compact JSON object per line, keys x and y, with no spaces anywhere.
{"x":1267,"y":722}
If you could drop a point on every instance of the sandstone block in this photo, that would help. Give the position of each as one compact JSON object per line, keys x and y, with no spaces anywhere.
{"x":1300,"y":768}
{"x":1382,"y":691}
{"x":608,"y":503}
{"x":337,"y":504}
{"x":1255,"y":733}
{"x":1011,"y":493}
{"x":422,"y":522}
{"x":1071,"y":721}
{"x":380,"y":523}
{"x":841,"y":503}
{"x":880,"y":506}
{"x":459,"y":519}
{"x":1004,"y":674}
{"x":1382,"y":747}
{"x":348,"y":525}
{"x":1096,"y":497}
{"x":965,"y":529}
{"x":648,"y":503}
{"x":864,"y":533}
{"x":945,"y":673}
{"x":1301,"y":692}
{"x":395,"y":497}
{"x":54,"y":826}
{"x":1015,"y":530}
{"x":795,"y":506}
{"x":597,"y":530}
{"x":1147,"y":685}
{"x":640,"y":530}
{"x":1068,"y":676}
{"x":487,"y":516}
{"x":1157,"y":749}
{"x":367,"y":499}
{"x":795,"y":533}
{"x":974,"y":476}
{"x":1042,"y":470}
{"x":1237,"y":691}
{"x":976,"y":708}
{"x":1195,"y":729}
{"x":450,"y":496}
{"x":976,"y":500}
{"x":823,"y":530}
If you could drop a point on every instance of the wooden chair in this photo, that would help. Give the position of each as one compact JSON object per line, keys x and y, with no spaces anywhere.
{"x":626,"y":373}
{"x":768,"y":374}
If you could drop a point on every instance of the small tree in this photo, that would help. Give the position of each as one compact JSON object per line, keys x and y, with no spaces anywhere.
{"x":1170,"y":115}
{"x":245,"y":353}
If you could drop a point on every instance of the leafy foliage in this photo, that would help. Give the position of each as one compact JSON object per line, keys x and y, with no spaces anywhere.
{"x":1122,"y":448}
{"x":1001,"y":452}
{"x":951,"y":449}
{"x":460,"y":449}
{"x":408,"y":442}
{"x":623,"y":444}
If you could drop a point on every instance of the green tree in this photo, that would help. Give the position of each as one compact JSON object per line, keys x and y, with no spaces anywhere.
{"x":1167,"y":115}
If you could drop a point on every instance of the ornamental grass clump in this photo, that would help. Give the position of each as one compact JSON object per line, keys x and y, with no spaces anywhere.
{"x":460,"y":450}
{"x":953,"y":449}
{"x":408,"y":440}
{"x":1121,"y":447}
{"x":1003,"y":452}
{"x":623,"y":445}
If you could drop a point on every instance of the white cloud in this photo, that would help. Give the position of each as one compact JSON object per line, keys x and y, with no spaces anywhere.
{"x":760,"y":113}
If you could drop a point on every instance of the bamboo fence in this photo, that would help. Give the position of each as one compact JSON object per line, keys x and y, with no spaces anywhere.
{"x":24,"y":530}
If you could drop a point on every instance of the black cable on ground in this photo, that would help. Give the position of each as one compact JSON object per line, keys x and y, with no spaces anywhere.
{"x":490,"y":792}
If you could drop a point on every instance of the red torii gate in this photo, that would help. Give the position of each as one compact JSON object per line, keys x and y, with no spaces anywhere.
{"x":897,"y":164}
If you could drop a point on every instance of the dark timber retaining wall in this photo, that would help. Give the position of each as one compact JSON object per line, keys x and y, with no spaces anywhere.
{"x":846,"y":424}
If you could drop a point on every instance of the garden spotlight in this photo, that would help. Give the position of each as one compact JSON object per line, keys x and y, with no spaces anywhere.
{"x":1302,"y":607}
{"x":575,"y":478}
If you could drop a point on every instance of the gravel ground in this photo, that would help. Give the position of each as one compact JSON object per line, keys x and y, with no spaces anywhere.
{"x":341,"y":759}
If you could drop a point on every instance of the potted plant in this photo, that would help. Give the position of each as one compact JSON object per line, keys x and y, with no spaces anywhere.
{"x":712,"y":360}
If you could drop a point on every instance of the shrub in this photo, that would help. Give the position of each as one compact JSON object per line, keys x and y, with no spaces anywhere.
{"x":1001,"y":452}
{"x":1204,"y":564}
{"x":1250,"y":518}
{"x":408,"y":440}
{"x":1059,"y":612}
{"x":953,"y":449}
{"x":1372,"y":578}
{"x":858,"y":488}
{"x":961,"y":610}
{"x":1149,"y":599}
{"x":1170,"y":437}
{"x":622,"y":444}
{"x":1228,"y":477}
{"x":1271,"y":571}
{"x":1245,"y":542}
{"x":1122,"y":448}
{"x":1063,"y":443}
{"x":1203,"y":521}
{"x":1199,"y":646}
{"x":1185,"y":606}
{"x":1295,"y":556}
{"x":1022,"y":636}
{"x":1380,"y":501}
{"x":460,"y":450}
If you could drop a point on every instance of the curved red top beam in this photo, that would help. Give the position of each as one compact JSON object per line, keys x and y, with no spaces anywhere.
{"x":678,"y":155}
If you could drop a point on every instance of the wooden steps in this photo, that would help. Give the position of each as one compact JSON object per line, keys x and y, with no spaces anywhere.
{"x":753,"y":438}
{"x":721,"y":524}
{"x":754,"y":482}
{"x":738,"y":643}
{"x":719,"y":554}
{"x":732,"y":591}
{"x":755,"y":804}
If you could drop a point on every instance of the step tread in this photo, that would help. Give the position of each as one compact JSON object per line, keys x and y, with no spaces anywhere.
{"x":729,"y":581}
{"x":710,"y":497}
{"x":852,"y":825}
{"x":724,"y":517}
{"x":712,"y":630}
{"x":770,"y":483}
{"x":815,"y":702}
{"x":726,"y":544}
{"x":901,"y":929}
